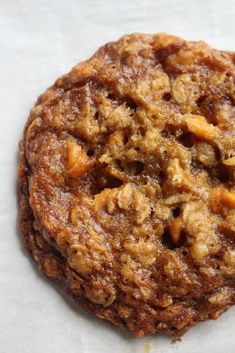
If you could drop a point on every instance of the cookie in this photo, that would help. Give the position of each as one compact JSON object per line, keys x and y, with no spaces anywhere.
{"x":126,"y":183}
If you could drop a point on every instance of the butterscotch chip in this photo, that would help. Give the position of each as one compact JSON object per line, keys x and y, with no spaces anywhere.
{"x":230,"y":161}
{"x":126,"y":183}
{"x":199,"y":126}
{"x":77,"y":160}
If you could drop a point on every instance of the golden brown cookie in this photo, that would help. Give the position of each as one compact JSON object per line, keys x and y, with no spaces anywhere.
{"x":126,"y":183}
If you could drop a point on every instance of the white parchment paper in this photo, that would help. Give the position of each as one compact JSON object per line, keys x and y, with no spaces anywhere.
{"x":39,"y":41}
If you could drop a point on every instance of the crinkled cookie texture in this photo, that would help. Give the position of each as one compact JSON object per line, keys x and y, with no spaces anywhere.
{"x":126,"y":183}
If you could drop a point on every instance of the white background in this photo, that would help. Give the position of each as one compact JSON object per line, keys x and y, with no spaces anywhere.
{"x":39,"y":41}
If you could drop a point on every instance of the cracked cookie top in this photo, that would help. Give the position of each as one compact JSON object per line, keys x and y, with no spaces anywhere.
{"x":131,"y":162}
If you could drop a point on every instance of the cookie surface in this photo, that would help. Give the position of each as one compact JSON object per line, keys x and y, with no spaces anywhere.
{"x":126,"y":183}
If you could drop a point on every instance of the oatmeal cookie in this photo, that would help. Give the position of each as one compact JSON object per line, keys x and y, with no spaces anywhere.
{"x":126,"y":183}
